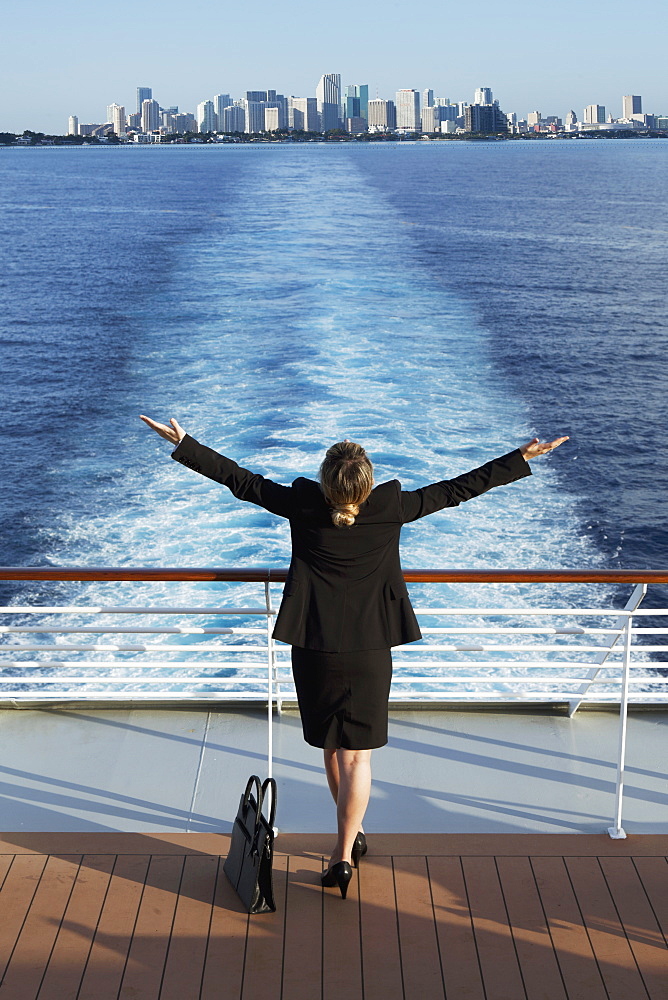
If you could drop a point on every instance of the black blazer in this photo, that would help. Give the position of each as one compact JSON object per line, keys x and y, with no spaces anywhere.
{"x":345,"y":589}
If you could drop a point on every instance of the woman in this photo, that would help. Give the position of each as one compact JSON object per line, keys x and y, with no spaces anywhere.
{"x":345,"y":603}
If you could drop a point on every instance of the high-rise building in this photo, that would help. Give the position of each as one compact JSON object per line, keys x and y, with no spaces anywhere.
{"x":631,"y":105}
{"x":427,"y":98}
{"x":143,"y":94}
{"x":234,"y":119}
{"x":134,"y":121}
{"x":431,"y":119}
{"x":357,"y":101}
{"x":271,"y":117}
{"x":257,"y":96}
{"x":220,"y":102}
{"x":117,"y":118}
{"x":486,"y":118}
{"x":303,"y":114}
{"x":594,"y":114}
{"x":73,"y":125}
{"x":206,"y":117}
{"x":382,"y":115}
{"x":534,"y":118}
{"x":484,"y":96}
{"x":408,"y":109}
{"x":150,"y":115}
{"x":328,"y":98}
{"x":253,"y":115}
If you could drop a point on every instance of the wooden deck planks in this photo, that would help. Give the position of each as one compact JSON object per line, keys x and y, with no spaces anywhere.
{"x":381,"y":956}
{"x":67,"y":963}
{"x":40,"y":928}
{"x":113,"y":935}
{"x":460,"y":927}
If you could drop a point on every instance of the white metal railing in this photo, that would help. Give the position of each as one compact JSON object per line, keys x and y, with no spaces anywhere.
{"x":138,"y":653}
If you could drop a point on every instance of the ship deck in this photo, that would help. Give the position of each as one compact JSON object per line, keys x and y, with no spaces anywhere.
{"x":489,"y":875}
{"x":541,"y":917}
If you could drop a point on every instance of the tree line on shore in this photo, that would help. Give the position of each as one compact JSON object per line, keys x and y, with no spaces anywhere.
{"x":31,"y":138}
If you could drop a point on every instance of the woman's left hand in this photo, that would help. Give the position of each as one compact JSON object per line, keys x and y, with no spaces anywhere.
{"x":534,"y":448}
{"x":173,"y":434}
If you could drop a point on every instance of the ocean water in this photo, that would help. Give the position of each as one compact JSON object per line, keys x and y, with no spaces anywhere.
{"x":441,"y":303}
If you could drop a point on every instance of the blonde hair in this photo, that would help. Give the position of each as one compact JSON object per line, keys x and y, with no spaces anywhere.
{"x":346,"y":477}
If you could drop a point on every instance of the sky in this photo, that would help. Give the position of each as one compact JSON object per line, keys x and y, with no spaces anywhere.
{"x":76,"y":57}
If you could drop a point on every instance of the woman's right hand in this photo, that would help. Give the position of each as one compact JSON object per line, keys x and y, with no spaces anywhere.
{"x":173,"y":434}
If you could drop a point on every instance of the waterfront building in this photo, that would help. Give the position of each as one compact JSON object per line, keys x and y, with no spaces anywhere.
{"x":303,"y":114}
{"x":253,"y":115}
{"x":134,"y":121}
{"x":328,"y":98}
{"x":486,"y":118}
{"x":534,"y":118}
{"x":594,"y":114}
{"x":356,"y":126}
{"x":116,"y":115}
{"x":382,"y":115}
{"x":143,"y":94}
{"x":631,"y":105}
{"x":73,"y":125}
{"x":220,"y":102}
{"x":206,"y":117}
{"x":448,"y":126}
{"x":150,"y":115}
{"x":427,"y":98}
{"x":357,"y":101}
{"x":234,"y":119}
{"x":430,"y":119}
{"x":408,"y":109}
{"x":271,"y":118}
{"x":483,"y":96}
{"x":88,"y":129}
{"x":447,"y":112}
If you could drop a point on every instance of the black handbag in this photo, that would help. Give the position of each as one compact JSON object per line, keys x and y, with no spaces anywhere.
{"x":248,"y":864}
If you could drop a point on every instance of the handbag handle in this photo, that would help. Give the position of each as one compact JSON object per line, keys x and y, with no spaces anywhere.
{"x":270,"y":783}
{"x":253,"y":782}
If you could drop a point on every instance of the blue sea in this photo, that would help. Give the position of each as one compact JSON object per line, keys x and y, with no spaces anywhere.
{"x":439,"y":302}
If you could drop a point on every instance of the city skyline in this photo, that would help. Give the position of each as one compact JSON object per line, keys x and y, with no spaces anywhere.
{"x":76,"y":59}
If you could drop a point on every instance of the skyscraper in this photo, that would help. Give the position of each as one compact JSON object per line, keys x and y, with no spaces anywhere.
{"x":382,"y":115}
{"x":408,"y":109}
{"x":631,"y":105}
{"x":116,"y":115}
{"x":150,"y":115}
{"x":484,"y":96}
{"x":486,"y":118}
{"x":206,"y":117}
{"x":328,"y":98}
{"x":594,"y":114}
{"x":427,"y":98}
{"x":234,"y":119}
{"x":357,"y":102}
{"x":73,"y":125}
{"x":143,"y":94}
{"x":220,"y":102}
{"x":303,"y":114}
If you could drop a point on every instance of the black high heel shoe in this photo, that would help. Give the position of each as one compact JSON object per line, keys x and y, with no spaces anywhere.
{"x":359,"y":848}
{"x":339,"y":874}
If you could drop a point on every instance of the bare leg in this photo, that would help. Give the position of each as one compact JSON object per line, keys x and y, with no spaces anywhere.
{"x":332,"y":772}
{"x":354,"y":789}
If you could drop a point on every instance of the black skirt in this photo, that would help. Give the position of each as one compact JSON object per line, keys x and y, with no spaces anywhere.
{"x":343,"y":697}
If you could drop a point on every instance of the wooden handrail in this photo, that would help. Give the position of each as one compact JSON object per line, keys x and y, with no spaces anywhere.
{"x":278,"y":575}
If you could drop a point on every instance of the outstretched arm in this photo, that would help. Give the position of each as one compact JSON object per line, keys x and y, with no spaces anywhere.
{"x":243,"y":484}
{"x":452,"y":492}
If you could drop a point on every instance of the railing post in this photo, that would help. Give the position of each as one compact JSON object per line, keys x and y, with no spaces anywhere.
{"x":270,"y":681}
{"x":617,"y":831}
